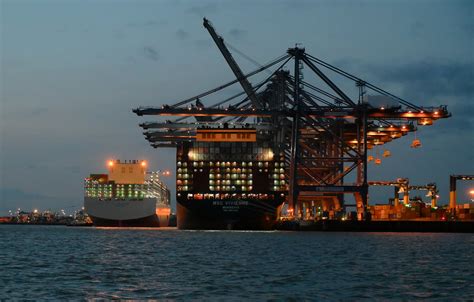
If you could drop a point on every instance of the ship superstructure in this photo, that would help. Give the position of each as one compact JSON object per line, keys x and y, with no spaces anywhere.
{"x":127,"y":196}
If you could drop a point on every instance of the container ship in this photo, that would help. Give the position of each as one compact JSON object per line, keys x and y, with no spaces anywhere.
{"x":128,"y":196}
{"x":226,"y":179}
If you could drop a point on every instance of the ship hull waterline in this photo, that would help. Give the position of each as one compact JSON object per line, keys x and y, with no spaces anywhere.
{"x":127,"y":213}
{"x":152,"y":221}
{"x":227,"y":214}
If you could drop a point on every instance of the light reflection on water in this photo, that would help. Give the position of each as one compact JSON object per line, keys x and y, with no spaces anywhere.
{"x":40,"y":262}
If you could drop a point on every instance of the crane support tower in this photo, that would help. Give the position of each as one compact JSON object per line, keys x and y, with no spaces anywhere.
{"x":452,"y":188}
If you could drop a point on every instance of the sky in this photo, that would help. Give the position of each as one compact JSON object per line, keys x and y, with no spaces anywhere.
{"x":71,"y":72}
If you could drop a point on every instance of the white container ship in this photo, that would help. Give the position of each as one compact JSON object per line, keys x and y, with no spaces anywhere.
{"x":128,"y":196}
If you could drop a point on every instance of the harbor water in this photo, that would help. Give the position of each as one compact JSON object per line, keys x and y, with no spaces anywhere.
{"x":70,"y":263}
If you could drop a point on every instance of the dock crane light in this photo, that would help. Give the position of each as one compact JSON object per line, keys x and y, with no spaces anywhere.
{"x":386,"y":153}
{"x":416,"y":143}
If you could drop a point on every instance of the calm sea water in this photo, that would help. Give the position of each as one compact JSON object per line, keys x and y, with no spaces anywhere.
{"x":68,"y":263}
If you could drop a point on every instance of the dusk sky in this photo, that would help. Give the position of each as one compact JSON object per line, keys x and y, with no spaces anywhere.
{"x":72,"y":71}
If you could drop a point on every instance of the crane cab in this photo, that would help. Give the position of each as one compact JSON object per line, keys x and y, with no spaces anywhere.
{"x":425,"y":122}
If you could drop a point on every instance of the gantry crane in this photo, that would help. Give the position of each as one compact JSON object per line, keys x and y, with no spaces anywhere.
{"x":452,"y":188}
{"x":401,"y":185}
{"x":432,"y":192}
{"x":324,"y":132}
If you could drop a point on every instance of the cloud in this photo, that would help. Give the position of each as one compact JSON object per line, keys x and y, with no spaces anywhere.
{"x":426,"y":83}
{"x":147,"y":23}
{"x":13,"y":198}
{"x":417,"y":28}
{"x":202,"y":44}
{"x":468,"y":28}
{"x":202,"y":10}
{"x":38,"y":111}
{"x":151,"y":53}
{"x":462,"y":119}
{"x":435,"y":83}
{"x":426,"y":80}
{"x":119,"y":34}
{"x":237,"y":33}
{"x":181,"y":34}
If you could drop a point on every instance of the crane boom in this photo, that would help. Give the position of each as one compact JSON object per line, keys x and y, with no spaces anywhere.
{"x":233,"y":65}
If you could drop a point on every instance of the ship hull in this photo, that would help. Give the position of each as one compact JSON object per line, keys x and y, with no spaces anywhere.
{"x":127,"y":213}
{"x":153,"y":221}
{"x":227,"y":215}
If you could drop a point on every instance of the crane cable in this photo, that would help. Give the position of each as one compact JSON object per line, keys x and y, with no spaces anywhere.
{"x":188,"y":100}
{"x":245,"y":56}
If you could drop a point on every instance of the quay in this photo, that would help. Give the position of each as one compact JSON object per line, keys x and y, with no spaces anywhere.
{"x":423,"y":226}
